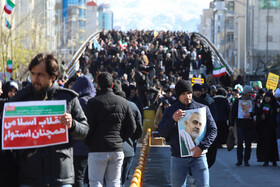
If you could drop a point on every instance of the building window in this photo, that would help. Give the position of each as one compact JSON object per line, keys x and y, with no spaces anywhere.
{"x":269,"y":18}
{"x":230,"y":7}
{"x":230,"y":23}
{"x":270,"y":38}
{"x":230,"y":37}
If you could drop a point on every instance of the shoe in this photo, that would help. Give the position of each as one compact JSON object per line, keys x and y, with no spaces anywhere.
{"x":274,"y":163}
{"x":238,"y":164}
{"x":265,"y":163}
{"x":246,"y":164}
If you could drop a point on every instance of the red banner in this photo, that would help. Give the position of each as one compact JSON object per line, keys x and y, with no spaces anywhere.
{"x":31,"y":132}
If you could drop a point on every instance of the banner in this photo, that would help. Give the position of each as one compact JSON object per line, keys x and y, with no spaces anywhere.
{"x":33,"y":124}
{"x":197,"y":81}
{"x":272,"y":81}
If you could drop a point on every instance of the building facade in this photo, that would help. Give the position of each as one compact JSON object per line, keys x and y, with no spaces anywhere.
{"x":105,"y":17}
{"x":91,"y":18}
{"x":245,"y":32}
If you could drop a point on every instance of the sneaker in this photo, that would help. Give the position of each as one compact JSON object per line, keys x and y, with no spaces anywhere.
{"x":238,"y":164}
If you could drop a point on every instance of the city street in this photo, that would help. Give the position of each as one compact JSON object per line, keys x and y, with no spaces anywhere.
{"x":224,"y":173}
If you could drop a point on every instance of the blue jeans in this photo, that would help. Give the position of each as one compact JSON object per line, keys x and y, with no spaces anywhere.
{"x":105,"y":166}
{"x":180,"y":167}
{"x":126,"y":168}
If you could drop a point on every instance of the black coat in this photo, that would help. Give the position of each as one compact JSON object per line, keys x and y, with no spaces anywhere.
{"x":52,"y":165}
{"x":266,"y":129}
{"x":111,"y":122}
{"x":129,"y":146}
{"x":223,"y":108}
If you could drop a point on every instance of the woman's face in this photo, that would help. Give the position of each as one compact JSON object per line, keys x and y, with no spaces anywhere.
{"x":267,"y":99}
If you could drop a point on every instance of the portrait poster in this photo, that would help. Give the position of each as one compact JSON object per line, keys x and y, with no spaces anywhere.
{"x":192,"y":129}
{"x":33,"y":124}
{"x":244,"y":109}
{"x":256,"y":85}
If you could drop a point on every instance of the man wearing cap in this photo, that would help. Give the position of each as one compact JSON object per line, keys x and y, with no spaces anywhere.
{"x":244,"y":124}
{"x":168,"y":126}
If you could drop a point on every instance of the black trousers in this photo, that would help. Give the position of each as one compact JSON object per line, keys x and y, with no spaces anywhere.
{"x":80,"y":167}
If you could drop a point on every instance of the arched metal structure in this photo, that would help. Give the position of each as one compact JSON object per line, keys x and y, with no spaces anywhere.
{"x":218,"y":58}
{"x":73,"y":65}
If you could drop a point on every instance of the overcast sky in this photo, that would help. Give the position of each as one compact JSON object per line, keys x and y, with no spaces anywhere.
{"x":157,"y":14}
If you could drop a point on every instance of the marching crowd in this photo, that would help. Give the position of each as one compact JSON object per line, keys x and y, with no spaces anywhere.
{"x":121,"y":75}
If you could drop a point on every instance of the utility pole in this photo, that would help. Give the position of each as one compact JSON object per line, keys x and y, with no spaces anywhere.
{"x":267,"y":29}
{"x":246,"y":38}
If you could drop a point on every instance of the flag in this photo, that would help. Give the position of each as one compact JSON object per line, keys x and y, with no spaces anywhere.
{"x":7,"y":24}
{"x":10,"y":66}
{"x":123,"y":45}
{"x":96,"y":45}
{"x":266,"y":108}
{"x":217,"y":72}
{"x":9,"y":6}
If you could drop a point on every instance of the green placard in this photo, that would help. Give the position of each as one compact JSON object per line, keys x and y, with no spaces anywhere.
{"x":36,"y":110}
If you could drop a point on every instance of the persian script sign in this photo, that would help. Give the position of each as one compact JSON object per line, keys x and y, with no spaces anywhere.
{"x":33,"y":124}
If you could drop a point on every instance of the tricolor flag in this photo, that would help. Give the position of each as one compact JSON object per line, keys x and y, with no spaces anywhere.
{"x":266,"y":108}
{"x":7,"y":24}
{"x":10,"y":66}
{"x":9,"y":6}
{"x":123,"y":45}
{"x":217,"y":72}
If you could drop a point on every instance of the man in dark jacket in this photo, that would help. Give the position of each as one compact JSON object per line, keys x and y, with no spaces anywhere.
{"x":129,"y":146}
{"x":53,"y":165}
{"x":242,"y":111}
{"x":111,"y":123}
{"x":169,"y":127}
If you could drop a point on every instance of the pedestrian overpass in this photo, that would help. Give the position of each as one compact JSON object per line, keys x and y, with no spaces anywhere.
{"x":218,"y":59}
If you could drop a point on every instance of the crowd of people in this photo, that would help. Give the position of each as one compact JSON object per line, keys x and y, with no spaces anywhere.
{"x":120,"y":76}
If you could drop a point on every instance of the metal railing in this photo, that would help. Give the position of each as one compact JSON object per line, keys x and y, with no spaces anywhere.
{"x":73,"y":65}
{"x":218,"y":57}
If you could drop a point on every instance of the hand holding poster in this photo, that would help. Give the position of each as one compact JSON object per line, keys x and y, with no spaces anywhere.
{"x":33,"y":124}
{"x":191,"y":130}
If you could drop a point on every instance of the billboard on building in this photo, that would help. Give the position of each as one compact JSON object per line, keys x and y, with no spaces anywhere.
{"x":264,"y":4}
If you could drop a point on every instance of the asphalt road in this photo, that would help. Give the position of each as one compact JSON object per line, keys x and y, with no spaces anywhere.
{"x":223,"y":173}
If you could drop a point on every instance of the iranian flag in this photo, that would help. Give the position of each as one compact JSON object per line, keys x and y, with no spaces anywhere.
{"x":7,"y":24}
{"x":9,"y":6}
{"x":217,"y":72}
{"x":10,"y":66}
{"x":123,"y":45}
{"x":266,"y":108}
